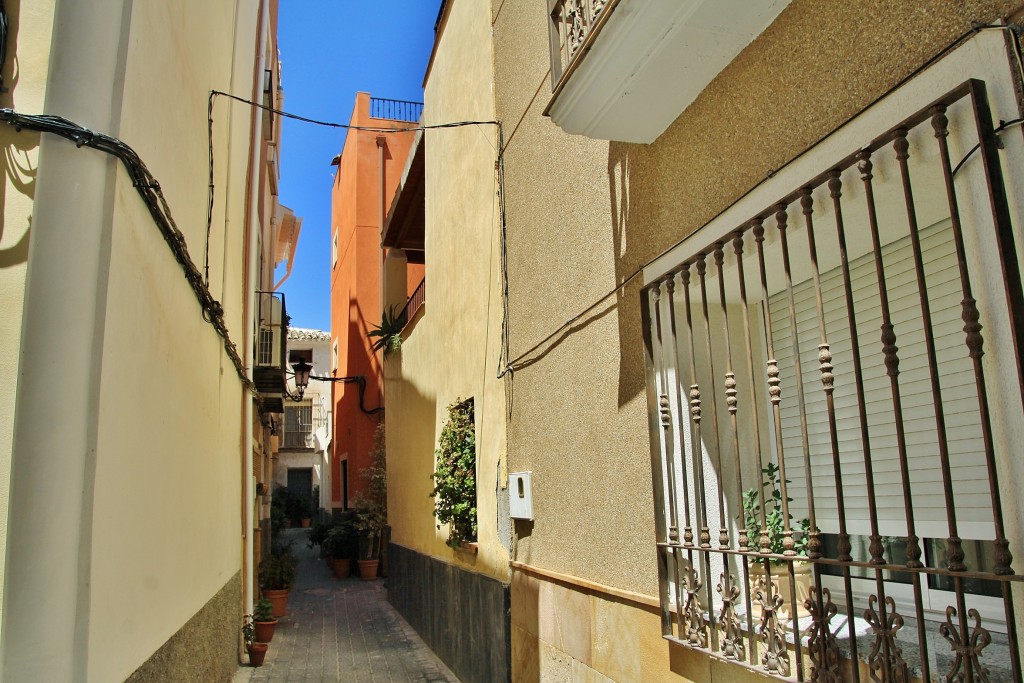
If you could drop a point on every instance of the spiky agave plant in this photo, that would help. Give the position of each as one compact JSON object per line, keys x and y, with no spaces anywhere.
{"x":389,"y":333}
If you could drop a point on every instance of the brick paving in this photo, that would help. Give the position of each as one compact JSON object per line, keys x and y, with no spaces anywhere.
{"x":342,"y":631}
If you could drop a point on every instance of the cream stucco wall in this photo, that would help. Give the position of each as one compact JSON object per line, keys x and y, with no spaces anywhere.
{"x":128,"y":511}
{"x":32,"y":25}
{"x":451,"y":347}
{"x":583,"y":215}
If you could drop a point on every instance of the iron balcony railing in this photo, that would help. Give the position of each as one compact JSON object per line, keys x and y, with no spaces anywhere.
{"x":395,"y":110}
{"x":825,"y":458}
{"x":412,"y":306}
{"x":573,"y":26}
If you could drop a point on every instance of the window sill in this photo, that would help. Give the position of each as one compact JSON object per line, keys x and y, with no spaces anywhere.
{"x":470,"y":548}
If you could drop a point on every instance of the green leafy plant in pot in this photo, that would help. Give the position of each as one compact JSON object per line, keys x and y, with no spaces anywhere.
{"x":263,"y":621}
{"x":277,"y":574}
{"x":774,"y":528}
{"x":257,"y":650}
{"x":371,"y":508}
{"x":342,"y":545}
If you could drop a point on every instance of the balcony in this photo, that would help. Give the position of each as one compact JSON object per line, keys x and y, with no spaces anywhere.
{"x":625,"y":69}
{"x":404,"y":226}
{"x":414,"y":304}
{"x":269,"y":350}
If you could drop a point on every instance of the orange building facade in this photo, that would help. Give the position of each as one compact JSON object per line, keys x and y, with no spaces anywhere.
{"x":369,"y":170}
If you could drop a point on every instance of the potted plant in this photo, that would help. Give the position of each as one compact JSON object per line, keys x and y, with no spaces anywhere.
{"x":343,"y":546}
{"x":774,"y":526}
{"x":371,"y":518}
{"x":372,"y":508}
{"x":304,"y":511}
{"x":263,"y":621}
{"x":277,"y":573}
{"x":317,"y":536}
{"x":257,"y":651}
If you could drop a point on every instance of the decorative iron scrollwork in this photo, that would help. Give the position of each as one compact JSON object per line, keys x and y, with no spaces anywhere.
{"x":732,"y":633}
{"x":694,"y":626}
{"x":967,"y":648}
{"x":573,"y":16}
{"x":822,"y":646}
{"x":775,"y":657}
{"x":885,"y":661}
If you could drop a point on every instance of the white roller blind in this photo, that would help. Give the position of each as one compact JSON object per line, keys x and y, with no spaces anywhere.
{"x":958,"y":391}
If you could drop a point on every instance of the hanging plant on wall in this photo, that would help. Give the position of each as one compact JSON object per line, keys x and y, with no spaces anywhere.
{"x":455,"y":475}
{"x":389,"y":333}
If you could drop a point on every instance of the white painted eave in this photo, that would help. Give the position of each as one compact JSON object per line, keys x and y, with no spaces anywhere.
{"x":651,"y":59}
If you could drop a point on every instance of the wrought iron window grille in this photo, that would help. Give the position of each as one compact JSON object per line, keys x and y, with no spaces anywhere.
{"x":837,"y":335}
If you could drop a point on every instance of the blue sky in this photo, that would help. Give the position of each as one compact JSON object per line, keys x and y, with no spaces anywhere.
{"x":331,"y":49}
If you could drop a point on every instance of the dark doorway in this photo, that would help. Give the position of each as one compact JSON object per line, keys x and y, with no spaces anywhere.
{"x":300,"y":482}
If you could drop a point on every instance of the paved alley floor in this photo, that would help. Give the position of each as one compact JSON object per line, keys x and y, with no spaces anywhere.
{"x":342,"y":631}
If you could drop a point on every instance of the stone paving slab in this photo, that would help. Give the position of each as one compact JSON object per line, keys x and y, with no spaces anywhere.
{"x":342,"y":631}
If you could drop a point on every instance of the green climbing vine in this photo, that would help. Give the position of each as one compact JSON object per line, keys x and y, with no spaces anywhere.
{"x":455,"y":474}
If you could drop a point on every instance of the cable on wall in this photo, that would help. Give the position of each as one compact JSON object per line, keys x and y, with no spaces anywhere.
{"x":305,"y":119}
{"x":503,"y":368}
{"x":152,"y":195}
{"x":1015,"y":31}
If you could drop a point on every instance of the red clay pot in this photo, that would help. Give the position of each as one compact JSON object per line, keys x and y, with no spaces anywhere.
{"x":264,"y":630}
{"x":368,"y":569}
{"x":278,"y":601}
{"x":257,"y":651}
{"x":342,"y":568}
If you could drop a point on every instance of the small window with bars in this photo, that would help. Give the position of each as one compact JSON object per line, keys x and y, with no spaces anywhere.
{"x":826,"y":460}
{"x":298,"y":425}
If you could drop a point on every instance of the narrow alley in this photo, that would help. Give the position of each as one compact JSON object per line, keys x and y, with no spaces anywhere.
{"x":342,"y":631}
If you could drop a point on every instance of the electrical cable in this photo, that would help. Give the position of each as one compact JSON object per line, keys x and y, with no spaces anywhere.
{"x":153,"y":197}
{"x":305,"y":119}
{"x":976,"y":27}
{"x":357,"y":379}
{"x":1003,"y":125}
{"x":499,"y":167}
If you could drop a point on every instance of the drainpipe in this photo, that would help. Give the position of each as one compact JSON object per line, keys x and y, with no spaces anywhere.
{"x":381,"y":144}
{"x":251,"y":259}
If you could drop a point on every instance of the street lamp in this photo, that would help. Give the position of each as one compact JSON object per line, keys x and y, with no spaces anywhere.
{"x":301,"y":370}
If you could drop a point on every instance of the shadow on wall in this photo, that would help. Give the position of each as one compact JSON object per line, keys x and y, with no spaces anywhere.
{"x":19,"y":173}
{"x":633,"y":248}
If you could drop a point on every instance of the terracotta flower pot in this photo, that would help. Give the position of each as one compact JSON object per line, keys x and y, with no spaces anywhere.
{"x":368,"y":569}
{"x":782,"y":586}
{"x":342,"y":568}
{"x":257,"y":651}
{"x":264,"y":630}
{"x":306,"y":521}
{"x":278,"y":601}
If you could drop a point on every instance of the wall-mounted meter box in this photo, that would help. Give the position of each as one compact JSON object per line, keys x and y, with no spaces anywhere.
{"x":520,"y":496}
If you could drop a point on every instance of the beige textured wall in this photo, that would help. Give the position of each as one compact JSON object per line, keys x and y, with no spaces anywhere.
{"x":451,"y":347}
{"x":30,"y":30}
{"x":584,"y":214}
{"x":166,"y":533}
{"x":578,"y":411}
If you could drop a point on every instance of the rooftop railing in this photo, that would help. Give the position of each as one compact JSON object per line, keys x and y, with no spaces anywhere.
{"x":395,"y":110}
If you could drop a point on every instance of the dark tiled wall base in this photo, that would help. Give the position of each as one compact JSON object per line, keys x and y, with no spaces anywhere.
{"x":206,"y":647}
{"x":462,"y":616}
